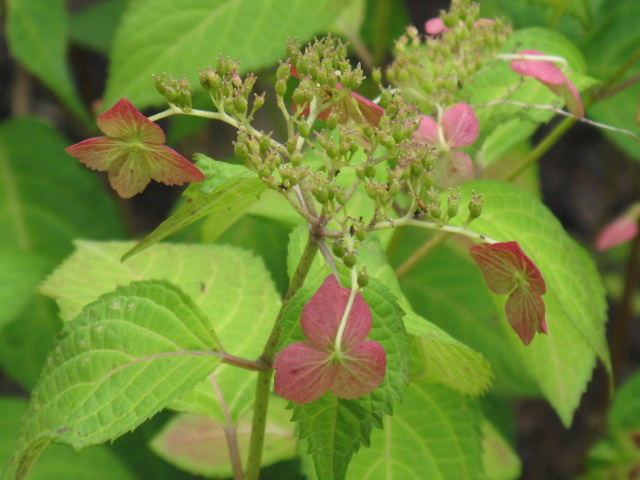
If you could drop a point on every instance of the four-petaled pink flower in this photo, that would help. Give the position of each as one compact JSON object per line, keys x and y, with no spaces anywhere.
{"x":508,"y":270}
{"x":458,"y":128}
{"x":550,"y":75}
{"x":349,"y":366}
{"x":133,"y":152}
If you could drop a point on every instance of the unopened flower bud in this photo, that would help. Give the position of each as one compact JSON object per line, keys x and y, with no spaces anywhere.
{"x":284,"y":71}
{"x":332,"y":121}
{"x":363,"y":277}
{"x":349,"y":259}
{"x":475,"y":206}
{"x":281,"y":87}
{"x":240,"y":103}
{"x":338,"y":249}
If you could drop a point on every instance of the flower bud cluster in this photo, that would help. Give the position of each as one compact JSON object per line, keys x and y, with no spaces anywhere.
{"x":440,"y":64}
{"x":176,"y":91}
{"x":229,"y":92}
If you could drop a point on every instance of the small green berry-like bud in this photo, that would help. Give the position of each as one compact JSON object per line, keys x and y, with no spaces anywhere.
{"x":281,"y":87}
{"x":434,"y":210}
{"x":240,"y":103}
{"x":283,"y":72}
{"x":241,"y":151}
{"x":258,"y":101}
{"x":338,"y":249}
{"x":332,"y":150}
{"x":296,"y":159}
{"x":304,"y":129}
{"x":321,"y":194}
{"x":299,"y":96}
{"x":349,"y":259}
{"x":475,"y":205}
{"x":363,"y":277}
{"x":369,"y":170}
{"x":377,"y":75}
{"x":332,"y":121}
{"x":264,"y":142}
{"x":361,"y":234}
{"x":388,"y":141}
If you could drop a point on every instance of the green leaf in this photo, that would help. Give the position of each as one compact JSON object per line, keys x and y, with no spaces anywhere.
{"x":179,"y":38}
{"x":562,"y":361}
{"x":95,"y":26}
{"x":228,"y":191}
{"x":59,"y":461}
{"x":335,"y":428}
{"x":198,"y":444}
{"x":612,"y":42}
{"x":124,"y":358}
{"x":37,"y":37}
{"x":433,"y":433}
{"x":230,"y":285}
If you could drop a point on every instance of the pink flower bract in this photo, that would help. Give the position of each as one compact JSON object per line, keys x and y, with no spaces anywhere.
{"x":620,"y":230}
{"x":133,"y":152}
{"x":549,"y":74}
{"x":508,"y":270}
{"x":305,"y":371}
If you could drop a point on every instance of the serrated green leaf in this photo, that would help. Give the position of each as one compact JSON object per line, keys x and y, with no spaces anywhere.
{"x":37,"y":36}
{"x":179,"y":38}
{"x":95,"y":26}
{"x":198,"y":444}
{"x":562,"y":361}
{"x":228,"y":191}
{"x":211,"y":275}
{"x":433,"y":433}
{"x":335,"y":428}
{"x":124,"y":358}
{"x":59,"y":461}
{"x":611,"y":43}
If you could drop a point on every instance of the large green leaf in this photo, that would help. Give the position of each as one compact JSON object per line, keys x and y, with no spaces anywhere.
{"x":124,"y":358}
{"x":230,"y":285}
{"x":613,"y":40}
{"x":59,"y":461}
{"x":228,"y":191}
{"x":433,"y":433}
{"x":179,"y":38}
{"x":37,"y":35}
{"x":335,"y":428}
{"x":560,"y":362}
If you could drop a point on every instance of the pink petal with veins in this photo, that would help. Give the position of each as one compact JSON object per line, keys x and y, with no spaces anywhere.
{"x":427,"y":131}
{"x":435,"y":26}
{"x":362,"y":372}
{"x":460,"y":125}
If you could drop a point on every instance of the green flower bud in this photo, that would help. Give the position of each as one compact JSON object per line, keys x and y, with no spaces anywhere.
{"x":361,"y":234}
{"x":349,"y":259}
{"x":338,"y":249}
{"x":387,"y":141}
{"x":475,"y":206}
{"x":369,"y":170}
{"x":363,"y":278}
{"x":241,"y":151}
{"x":283,"y":72}
{"x":376,"y":75}
{"x":264,"y":143}
{"x":304,"y":129}
{"x":240,"y":103}
{"x":332,"y":150}
{"x":281,"y":87}
{"x":332,"y":121}
{"x":296,"y":159}
{"x":298,"y":96}
{"x":258,"y":101}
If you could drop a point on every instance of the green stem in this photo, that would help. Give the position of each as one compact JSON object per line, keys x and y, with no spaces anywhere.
{"x":263,"y":388}
{"x":382,"y":13}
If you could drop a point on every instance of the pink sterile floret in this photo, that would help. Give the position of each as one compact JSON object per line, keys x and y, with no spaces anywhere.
{"x":133,"y":152}
{"x":305,"y":371}
{"x":619,"y":230}
{"x":460,"y":125}
{"x":551,"y":76}
{"x":508,"y":270}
